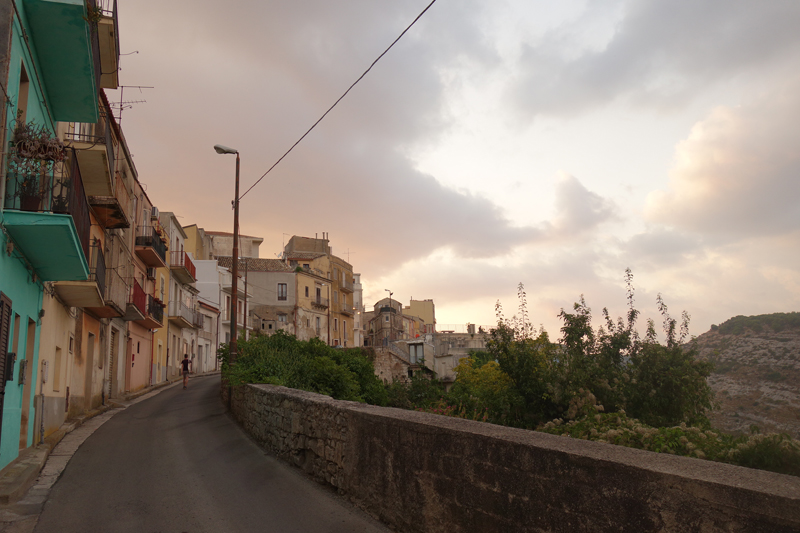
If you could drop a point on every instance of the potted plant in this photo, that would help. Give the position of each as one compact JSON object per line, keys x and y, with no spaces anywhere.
{"x":30,"y":194}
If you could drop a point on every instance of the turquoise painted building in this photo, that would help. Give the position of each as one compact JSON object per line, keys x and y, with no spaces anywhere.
{"x":49,"y":73}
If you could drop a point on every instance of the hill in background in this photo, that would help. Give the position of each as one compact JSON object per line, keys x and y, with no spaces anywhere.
{"x":757,"y":374}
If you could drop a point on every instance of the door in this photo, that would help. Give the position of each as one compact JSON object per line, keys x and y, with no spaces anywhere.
{"x":113,"y":365}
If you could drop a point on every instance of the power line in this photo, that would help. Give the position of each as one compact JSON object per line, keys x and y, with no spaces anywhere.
{"x":337,"y":101}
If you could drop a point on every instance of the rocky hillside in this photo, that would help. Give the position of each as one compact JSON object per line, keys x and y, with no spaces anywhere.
{"x":757,"y":376}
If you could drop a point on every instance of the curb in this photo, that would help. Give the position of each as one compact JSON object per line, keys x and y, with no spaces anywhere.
{"x":21,"y":473}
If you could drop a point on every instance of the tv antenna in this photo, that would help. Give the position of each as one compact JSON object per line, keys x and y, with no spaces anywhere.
{"x":123,"y":104}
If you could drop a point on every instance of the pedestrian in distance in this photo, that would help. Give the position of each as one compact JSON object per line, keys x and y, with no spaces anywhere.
{"x":185,"y":365}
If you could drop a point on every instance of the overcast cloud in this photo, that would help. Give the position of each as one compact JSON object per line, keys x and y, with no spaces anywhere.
{"x":497,"y":143}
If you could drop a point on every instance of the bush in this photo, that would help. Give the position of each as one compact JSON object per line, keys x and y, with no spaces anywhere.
{"x":777,"y":453}
{"x":281,"y":359}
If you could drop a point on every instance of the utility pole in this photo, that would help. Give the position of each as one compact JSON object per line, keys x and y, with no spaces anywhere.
{"x":245,"y":298}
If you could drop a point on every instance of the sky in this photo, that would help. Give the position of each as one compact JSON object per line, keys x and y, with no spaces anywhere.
{"x":552,"y":144}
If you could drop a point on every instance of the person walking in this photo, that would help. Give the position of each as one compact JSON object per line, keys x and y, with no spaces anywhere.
{"x":185,"y":365}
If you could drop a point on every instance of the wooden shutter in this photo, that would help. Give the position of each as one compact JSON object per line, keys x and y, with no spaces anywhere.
{"x":5,"y":326}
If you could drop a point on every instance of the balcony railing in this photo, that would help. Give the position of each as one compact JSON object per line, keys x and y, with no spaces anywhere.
{"x":138,"y":297}
{"x":180,"y":261}
{"x":346,"y":285}
{"x":225,"y":317}
{"x":155,"y":308}
{"x":116,"y":293}
{"x":320,"y":301}
{"x":347,"y":310}
{"x":44,"y":185}
{"x":97,"y":268}
{"x":199,"y":320}
{"x":180,"y":310}
{"x":148,"y":236}
{"x":98,"y":133}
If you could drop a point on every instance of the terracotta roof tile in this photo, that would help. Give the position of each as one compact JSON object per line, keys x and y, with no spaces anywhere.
{"x":255,"y":264}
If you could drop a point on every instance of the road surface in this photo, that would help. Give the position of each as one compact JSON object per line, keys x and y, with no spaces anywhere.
{"x":177,"y":463}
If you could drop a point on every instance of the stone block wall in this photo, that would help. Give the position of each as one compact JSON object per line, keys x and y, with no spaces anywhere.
{"x":420,"y":472}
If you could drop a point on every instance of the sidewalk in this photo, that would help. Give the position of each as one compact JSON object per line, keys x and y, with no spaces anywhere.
{"x":21,"y":474}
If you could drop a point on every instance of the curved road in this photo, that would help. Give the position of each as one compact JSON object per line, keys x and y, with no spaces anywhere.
{"x":177,"y":463}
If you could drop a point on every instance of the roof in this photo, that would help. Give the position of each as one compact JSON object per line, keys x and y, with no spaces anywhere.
{"x":255,"y":264}
{"x":228,"y":234}
{"x":304,"y":255}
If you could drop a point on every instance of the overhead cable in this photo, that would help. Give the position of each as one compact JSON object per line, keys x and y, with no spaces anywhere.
{"x":337,"y":101}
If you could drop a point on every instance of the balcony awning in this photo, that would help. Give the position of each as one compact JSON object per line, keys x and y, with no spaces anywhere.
{"x":63,"y":40}
{"x":50,"y":243}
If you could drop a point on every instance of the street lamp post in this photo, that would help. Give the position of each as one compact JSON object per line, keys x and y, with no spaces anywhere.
{"x":235,"y":259}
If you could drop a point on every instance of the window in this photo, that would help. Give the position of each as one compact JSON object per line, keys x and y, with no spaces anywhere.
{"x":5,"y":326}
{"x":344,"y":326}
{"x":282,"y":291}
{"x":335,"y":296}
{"x":335,"y":324}
{"x":282,"y":318}
{"x":22,"y":98}
{"x":308,"y":322}
{"x":306,"y":292}
{"x":386,"y":318}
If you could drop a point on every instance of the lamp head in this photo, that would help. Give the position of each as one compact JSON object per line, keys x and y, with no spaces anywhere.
{"x":225,"y":150}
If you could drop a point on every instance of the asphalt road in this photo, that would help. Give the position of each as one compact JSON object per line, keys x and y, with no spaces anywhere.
{"x":177,"y":463}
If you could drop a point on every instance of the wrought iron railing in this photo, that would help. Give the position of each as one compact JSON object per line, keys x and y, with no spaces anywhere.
{"x":97,"y":268}
{"x":182,"y":260}
{"x":43,"y":185}
{"x":199,"y":319}
{"x":98,"y":133}
{"x":320,"y":301}
{"x":155,"y":308}
{"x":148,"y":236}
{"x":116,"y":289}
{"x":138,"y":297}
{"x":179,"y":309}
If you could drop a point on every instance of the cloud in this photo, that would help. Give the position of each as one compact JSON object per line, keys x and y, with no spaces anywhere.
{"x":661,"y":54}
{"x":579,"y":210}
{"x":736,"y":175}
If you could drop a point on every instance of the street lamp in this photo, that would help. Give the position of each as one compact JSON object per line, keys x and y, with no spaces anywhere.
{"x":235,"y":259}
{"x":390,"y":313}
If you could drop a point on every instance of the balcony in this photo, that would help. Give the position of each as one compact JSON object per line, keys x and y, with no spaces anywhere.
{"x":319,"y":302}
{"x":136,"y":309}
{"x":346,"y":286}
{"x":347,"y":310}
{"x":240,"y":324}
{"x":112,"y":212}
{"x":115,"y":296}
{"x":65,"y":44}
{"x":154,"y":317}
{"x":150,"y":247}
{"x":108,"y":43}
{"x":199,"y":320}
{"x":46,"y":213}
{"x":182,"y":267}
{"x":180,"y":315}
{"x":86,"y":294}
{"x":95,"y":149}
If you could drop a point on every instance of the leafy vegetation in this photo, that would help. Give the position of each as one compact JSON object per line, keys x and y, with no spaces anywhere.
{"x":281,"y":359}
{"x":775,"y":322}
{"x":607,"y":384}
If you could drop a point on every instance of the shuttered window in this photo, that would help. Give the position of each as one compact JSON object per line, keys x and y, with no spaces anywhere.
{"x":5,"y":326}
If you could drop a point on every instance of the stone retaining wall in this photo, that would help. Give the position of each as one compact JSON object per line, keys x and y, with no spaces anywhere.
{"x":419,"y":472}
